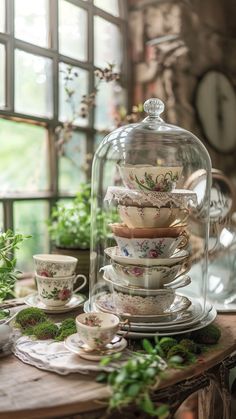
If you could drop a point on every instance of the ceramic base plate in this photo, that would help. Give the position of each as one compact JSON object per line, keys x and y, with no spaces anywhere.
{"x":74,"y":344}
{"x":104,"y":303}
{"x":169,"y":327}
{"x":77,"y":300}
{"x":209,"y":318}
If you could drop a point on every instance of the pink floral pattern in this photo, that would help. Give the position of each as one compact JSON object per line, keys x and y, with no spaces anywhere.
{"x":56,"y":294}
{"x":64,"y":294}
{"x":92,"y":320}
{"x":47,"y":273}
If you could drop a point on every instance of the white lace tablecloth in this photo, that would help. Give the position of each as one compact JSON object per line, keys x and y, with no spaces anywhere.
{"x":53,"y":356}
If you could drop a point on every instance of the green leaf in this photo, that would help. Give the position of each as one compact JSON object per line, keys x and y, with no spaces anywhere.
{"x":147,"y":346}
{"x":150,"y":372}
{"x":147,"y":405}
{"x":118,"y":355}
{"x":163,"y":411}
{"x":102,"y":377}
{"x":121,"y":376}
{"x":105,"y":361}
{"x":134,"y":389}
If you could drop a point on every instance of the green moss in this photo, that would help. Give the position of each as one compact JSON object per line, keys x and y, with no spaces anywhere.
{"x":67,"y":323}
{"x":67,"y":328}
{"x":167,"y":343}
{"x":46,"y":330}
{"x":65,"y":333}
{"x":181,"y":351}
{"x":30,"y":317}
{"x":29,"y":331}
{"x":210,"y":335}
{"x":189,"y":345}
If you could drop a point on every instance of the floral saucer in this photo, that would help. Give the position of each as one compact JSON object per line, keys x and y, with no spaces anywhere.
{"x":76,"y":301}
{"x":74,"y":344}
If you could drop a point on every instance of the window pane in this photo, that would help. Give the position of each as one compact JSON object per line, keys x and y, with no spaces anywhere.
{"x":2,"y":15}
{"x":110,"y":6}
{"x":72,"y":165}
{"x":72,"y":79}
{"x":2,"y":75}
{"x":23,"y":157}
{"x":33,"y":84}
{"x":30,"y":219}
{"x":31,"y":21}
{"x":107,"y":43}
{"x":72,"y":31}
{"x":109,"y":98}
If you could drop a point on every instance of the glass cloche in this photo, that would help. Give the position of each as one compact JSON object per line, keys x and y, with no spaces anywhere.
{"x":148,"y":261}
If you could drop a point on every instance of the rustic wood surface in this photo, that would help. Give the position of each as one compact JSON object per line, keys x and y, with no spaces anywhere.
{"x":27,"y":392}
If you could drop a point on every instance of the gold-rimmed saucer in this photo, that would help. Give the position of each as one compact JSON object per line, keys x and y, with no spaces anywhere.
{"x":76,"y":300}
{"x":74,"y":344}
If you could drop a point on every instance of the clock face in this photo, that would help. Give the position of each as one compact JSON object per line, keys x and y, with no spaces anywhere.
{"x":216,"y":107}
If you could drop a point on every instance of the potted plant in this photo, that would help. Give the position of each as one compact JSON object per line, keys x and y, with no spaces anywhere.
{"x":69,"y":228}
{"x":8,"y":273}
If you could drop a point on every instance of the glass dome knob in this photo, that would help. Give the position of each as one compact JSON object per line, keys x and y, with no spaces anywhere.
{"x":154,"y":107}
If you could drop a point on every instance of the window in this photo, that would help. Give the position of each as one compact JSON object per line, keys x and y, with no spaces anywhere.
{"x":38,"y":41}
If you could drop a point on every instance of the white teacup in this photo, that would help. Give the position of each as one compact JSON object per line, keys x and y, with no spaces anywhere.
{"x":57,"y":291}
{"x":97,"y":329}
{"x":150,"y":248}
{"x":54,"y":266}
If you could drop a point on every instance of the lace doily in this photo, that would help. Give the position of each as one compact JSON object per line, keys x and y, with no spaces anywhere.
{"x":178,"y":198}
{"x":53,"y":356}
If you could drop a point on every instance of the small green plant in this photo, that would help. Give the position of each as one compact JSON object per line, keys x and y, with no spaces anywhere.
{"x":8,"y":274}
{"x":136,"y":379}
{"x":69,"y":225}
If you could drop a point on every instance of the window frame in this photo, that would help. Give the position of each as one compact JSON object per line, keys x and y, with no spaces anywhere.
{"x":52,"y":51}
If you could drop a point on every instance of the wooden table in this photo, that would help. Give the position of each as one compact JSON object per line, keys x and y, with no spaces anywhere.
{"x":27,"y":392}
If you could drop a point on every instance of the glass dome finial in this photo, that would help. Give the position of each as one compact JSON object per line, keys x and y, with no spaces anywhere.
{"x":154,"y":107}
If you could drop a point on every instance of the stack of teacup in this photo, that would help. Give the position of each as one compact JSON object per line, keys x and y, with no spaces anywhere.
{"x":55,"y":277}
{"x":151,"y":255}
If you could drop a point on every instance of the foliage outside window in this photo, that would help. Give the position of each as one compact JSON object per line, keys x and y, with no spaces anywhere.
{"x":38,"y":41}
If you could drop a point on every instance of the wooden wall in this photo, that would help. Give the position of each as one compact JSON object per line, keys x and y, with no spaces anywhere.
{"x":200,"y":36}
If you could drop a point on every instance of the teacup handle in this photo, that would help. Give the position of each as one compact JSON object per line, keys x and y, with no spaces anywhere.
{"x":186,"y":268}
{"x":179,"y":221}
{"x":180,"y":283}
{"x":126,"y":322}
{"x":185,"y":239}
{"x":83,"y":283}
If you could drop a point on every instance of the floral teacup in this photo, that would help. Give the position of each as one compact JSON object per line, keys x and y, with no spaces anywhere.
{"x":97,"y":329}
{"x":152,"y":178}
{"x":51,"y":265}
{"x":57,"y":291}
{"x":147,"y":276}
{"x":150,"y":248}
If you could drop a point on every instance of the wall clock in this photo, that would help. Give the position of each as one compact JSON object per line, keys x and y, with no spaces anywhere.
{"x":216,"y":108}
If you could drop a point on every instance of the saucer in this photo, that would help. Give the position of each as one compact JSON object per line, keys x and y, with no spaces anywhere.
{"x":76,"y":301}
{"x":181,"y":303}
{"x":74,"y":344}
